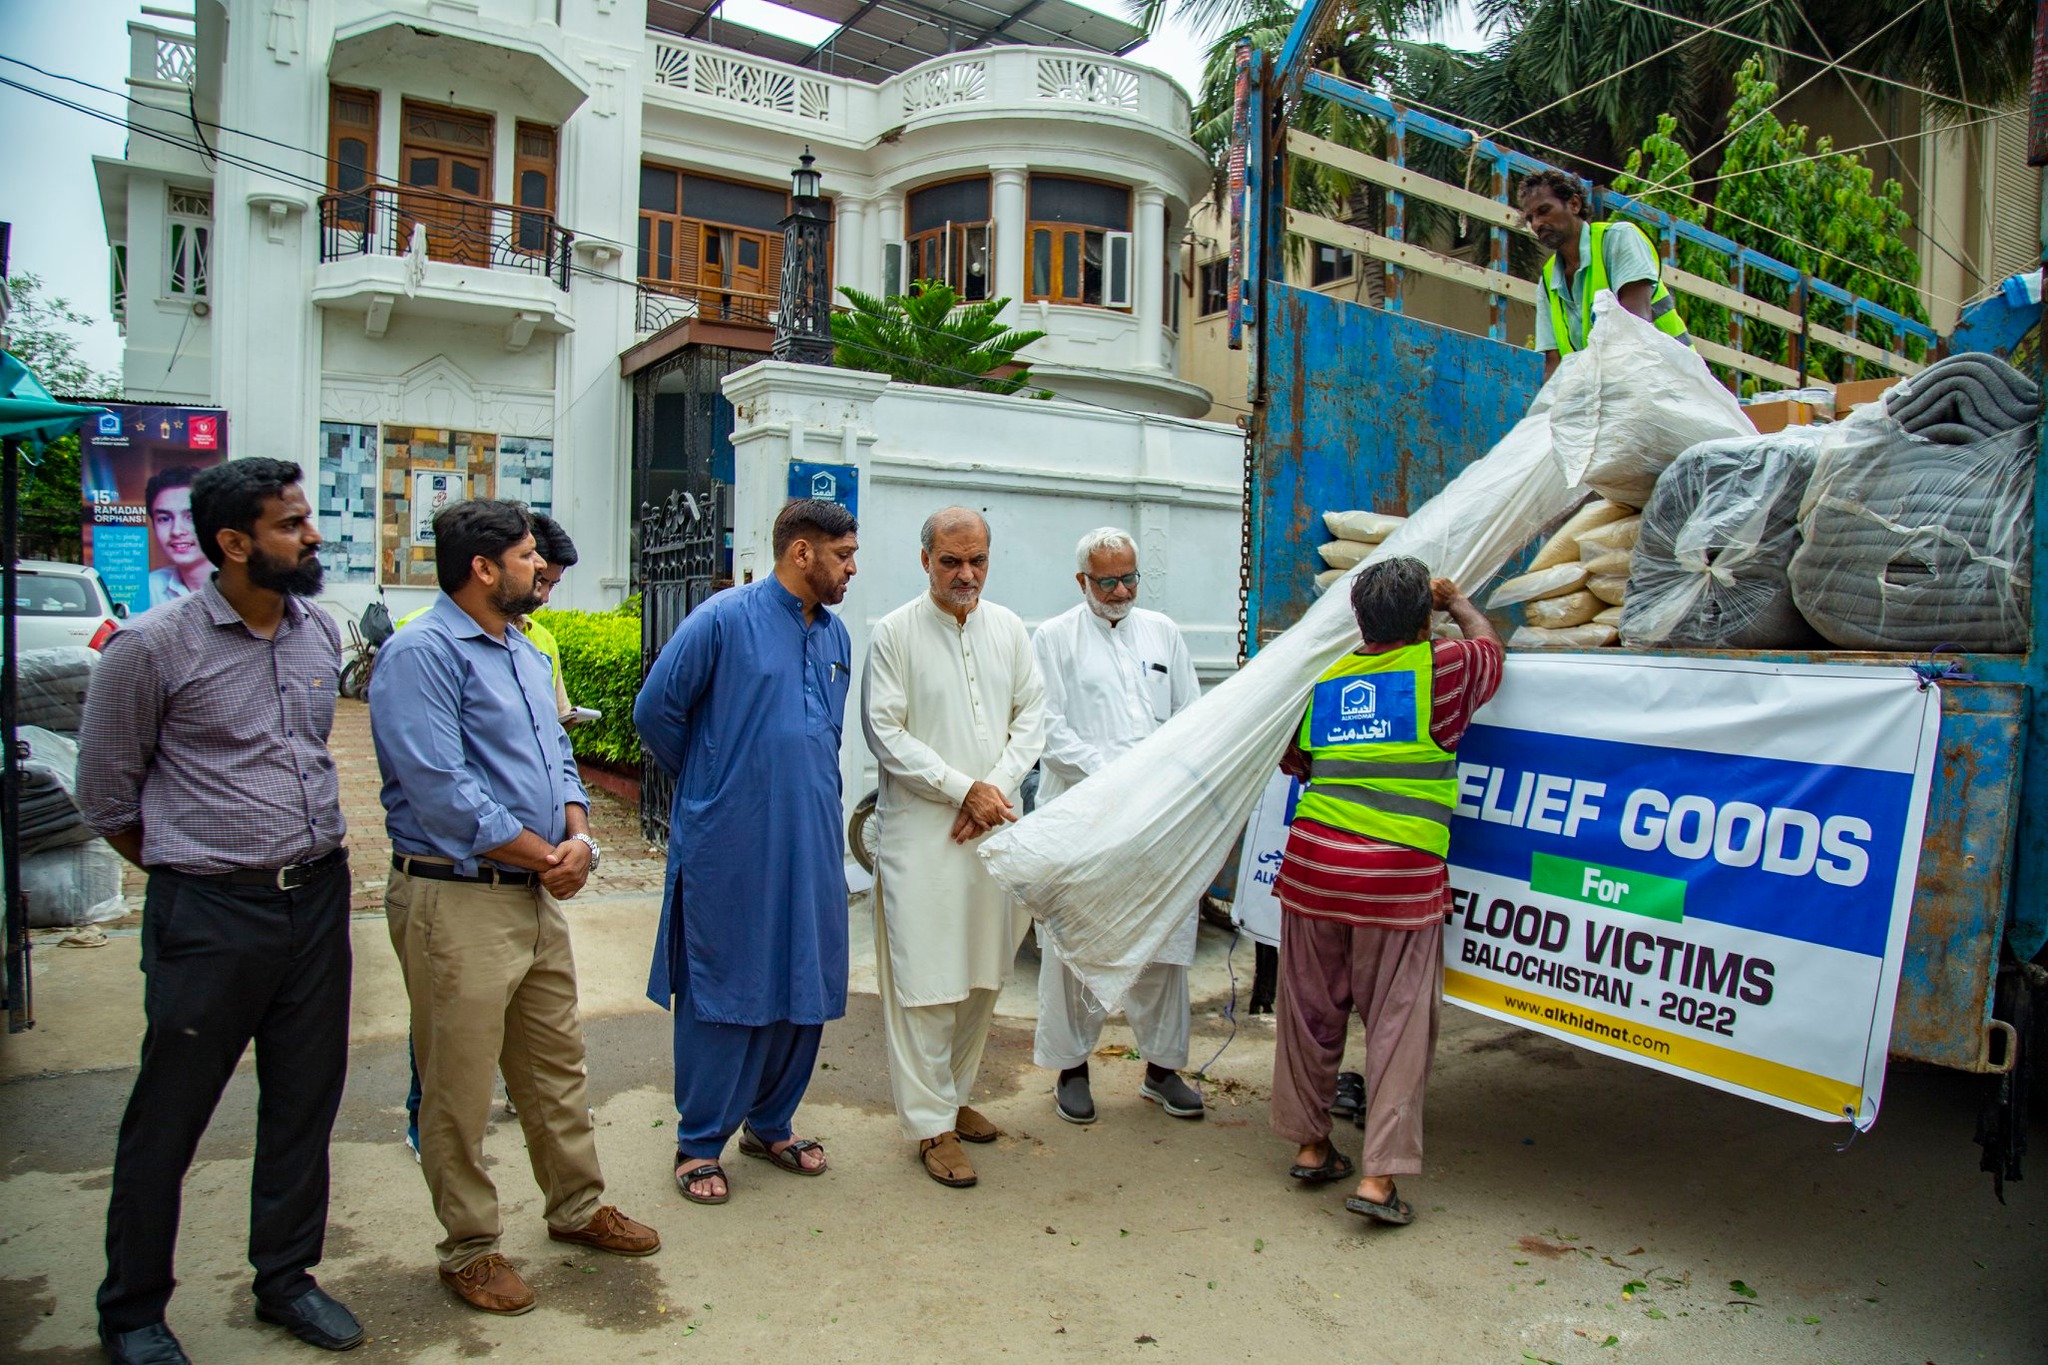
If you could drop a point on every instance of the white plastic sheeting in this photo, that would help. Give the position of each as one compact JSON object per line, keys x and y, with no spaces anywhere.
{"x":1108,"y":870}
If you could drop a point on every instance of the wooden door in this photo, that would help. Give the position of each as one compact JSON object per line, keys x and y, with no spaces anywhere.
{"x":444,"y":168}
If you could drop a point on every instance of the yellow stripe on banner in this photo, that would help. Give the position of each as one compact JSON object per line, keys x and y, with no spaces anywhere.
{"x":1788,"y":1083}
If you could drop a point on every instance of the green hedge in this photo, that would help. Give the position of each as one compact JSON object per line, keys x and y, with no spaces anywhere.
{"x":601,"y":669}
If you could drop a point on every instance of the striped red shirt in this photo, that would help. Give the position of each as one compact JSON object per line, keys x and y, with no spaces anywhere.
{"x":1333,"y":874}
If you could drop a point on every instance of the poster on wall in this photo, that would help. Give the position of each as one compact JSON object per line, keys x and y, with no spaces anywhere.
{"x":137,"y":466}
{"x":431,"y":491}
{"x":1711,"y":876}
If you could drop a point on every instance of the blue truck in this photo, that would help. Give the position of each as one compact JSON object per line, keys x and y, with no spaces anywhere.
{"x":1364,"y":406}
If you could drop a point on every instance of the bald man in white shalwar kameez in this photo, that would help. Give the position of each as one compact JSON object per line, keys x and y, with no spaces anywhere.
{"x":1114,"y":672}
{"x":955,"y":714}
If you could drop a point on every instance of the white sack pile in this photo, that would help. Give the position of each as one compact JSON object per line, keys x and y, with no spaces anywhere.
{"x":1110,"y":868}
{"x":1357,"y":534}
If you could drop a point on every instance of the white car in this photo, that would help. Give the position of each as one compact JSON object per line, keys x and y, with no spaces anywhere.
{"x":62,"y":605}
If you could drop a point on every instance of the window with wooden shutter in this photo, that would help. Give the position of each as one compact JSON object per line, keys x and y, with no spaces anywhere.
{"x":533,"y":185}
{"x":1079,"y":245}
{"x":351,"y":151}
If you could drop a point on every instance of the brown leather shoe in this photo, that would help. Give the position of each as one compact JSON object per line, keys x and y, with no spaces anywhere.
{"x":489,"y":1284}
{"x":609,"y":1230}
{"x":945,"y":1162}
{"x":974,"y":1127}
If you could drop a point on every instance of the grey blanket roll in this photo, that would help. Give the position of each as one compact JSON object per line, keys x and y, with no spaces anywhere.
{"x":1717,"y":535}
{"x":1964,"y":399}
{"x":1914,"y":541}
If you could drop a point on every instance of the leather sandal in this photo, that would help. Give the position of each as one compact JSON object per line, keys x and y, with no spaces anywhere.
{"x":1336,"y":1166}
{"x":1395,"y":1211}
{"x":697,"y":1175}
{"x":945,"y":1161}
{"x":789,"y":1158}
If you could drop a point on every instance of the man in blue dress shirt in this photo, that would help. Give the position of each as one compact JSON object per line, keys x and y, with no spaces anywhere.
{"x":744,"y":709}
{"x":489,"y":827}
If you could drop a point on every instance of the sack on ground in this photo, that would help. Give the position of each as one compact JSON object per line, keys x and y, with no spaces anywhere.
{"x":76,"y":885}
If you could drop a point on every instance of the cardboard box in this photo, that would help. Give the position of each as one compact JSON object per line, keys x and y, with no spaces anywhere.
{"x":1779,"y":414}
{"x":1855,"y":393}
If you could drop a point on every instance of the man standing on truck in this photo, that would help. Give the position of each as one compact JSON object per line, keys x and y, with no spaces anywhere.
{"x":1587,"y":257}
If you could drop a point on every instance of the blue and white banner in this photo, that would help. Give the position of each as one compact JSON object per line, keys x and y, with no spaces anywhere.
{"x":1701,"y":866}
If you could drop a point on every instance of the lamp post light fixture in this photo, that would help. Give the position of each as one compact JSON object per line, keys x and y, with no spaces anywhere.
{"x":803,"y":320}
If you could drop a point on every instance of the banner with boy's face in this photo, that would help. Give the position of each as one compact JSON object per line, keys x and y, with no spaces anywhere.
{"x":137,"y":465}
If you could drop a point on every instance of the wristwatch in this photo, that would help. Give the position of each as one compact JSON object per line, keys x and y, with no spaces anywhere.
{"x":596,"y":853}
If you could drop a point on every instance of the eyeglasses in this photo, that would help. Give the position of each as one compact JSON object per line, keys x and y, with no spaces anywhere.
{"x":1129,"y":580}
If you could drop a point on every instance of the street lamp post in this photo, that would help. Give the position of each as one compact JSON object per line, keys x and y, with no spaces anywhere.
{"x":803,"y":320}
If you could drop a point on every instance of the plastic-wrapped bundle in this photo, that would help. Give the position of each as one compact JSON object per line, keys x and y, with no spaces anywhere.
{"x":52,"y":687}
{"x":68,"y":886}
{"x":1110,"y":868}
{"x":1964,"y":399}
{"x":1709,"y":566}
{"x":1907,"y":543}
{"x":49,"y":778}
{"x":1640,"y":399}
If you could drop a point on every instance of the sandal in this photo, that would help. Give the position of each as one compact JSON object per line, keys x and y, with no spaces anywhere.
{"x":1336,"y":1166}
{"x":697,"y":1175}
{"x":1395,"y":1211}
{"x":790,"y":1158}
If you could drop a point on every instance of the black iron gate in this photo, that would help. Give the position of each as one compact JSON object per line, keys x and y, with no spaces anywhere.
{"x":680,"y":565}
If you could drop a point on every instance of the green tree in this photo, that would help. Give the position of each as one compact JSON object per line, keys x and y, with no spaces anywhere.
{"x":41,"y":334}
{"x":1817,"y":210}
{"x":929,"y":337}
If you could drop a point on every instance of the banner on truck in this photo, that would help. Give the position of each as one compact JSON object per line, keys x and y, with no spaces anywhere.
{"x":137,"y":466}
{"x":1704,"y":867}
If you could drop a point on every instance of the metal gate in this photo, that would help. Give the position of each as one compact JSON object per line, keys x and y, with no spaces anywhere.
{"x":680,"y":542}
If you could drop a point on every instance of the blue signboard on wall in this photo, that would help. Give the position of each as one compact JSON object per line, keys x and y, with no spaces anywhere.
{"x":838,"y":483}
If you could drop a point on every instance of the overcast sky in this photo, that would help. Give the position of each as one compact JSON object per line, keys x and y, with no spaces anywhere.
{"x":46,"y":181}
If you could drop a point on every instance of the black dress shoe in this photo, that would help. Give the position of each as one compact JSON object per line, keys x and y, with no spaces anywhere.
{"x":151,"y":1345}
{"x":316,"y":1319}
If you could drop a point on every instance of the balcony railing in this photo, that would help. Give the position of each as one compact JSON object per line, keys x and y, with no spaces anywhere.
{"x":1003,"y":80}
{"x":386,"y":220}
{"x":662,"y":303}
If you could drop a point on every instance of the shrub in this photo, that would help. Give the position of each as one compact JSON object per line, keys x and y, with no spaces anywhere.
{"x":601,"y":669}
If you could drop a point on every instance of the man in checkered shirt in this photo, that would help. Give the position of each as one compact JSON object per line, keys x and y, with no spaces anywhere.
{"x":203,"y":760}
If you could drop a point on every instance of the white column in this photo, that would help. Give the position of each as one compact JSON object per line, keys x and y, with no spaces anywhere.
{"x":851,"y":265}
{"x":1148,"y":260}
{"x":888,"y":228}
{"x":1006,"y":212}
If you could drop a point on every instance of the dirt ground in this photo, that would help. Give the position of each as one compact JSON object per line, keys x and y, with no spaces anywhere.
{"x":1574,"y":1209}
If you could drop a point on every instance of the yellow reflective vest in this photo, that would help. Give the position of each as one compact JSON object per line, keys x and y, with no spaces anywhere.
{"x":1663,"y":308}
{"x":1373,"y":768}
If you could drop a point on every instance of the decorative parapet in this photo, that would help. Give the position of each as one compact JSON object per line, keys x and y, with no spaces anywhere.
{"x":725,"y":77}
{"x":938,"y":84}
{"x":1010,"y":80}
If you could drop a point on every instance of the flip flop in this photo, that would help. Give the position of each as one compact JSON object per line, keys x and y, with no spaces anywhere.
{"x":699,"y":1174}
{"x":1395,"y":1211}
{"x":1336,"y":1166}
{"x":789,"y":1159}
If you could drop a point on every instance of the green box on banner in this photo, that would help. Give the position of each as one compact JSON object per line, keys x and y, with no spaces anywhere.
{"x":1614,"y":888}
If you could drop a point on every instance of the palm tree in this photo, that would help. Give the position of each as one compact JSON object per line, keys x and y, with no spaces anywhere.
{"x":929,"y":337}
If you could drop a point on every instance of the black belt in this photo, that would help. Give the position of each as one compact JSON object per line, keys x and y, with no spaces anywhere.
{"x":443,"y":872}
{"x":288,"y":878}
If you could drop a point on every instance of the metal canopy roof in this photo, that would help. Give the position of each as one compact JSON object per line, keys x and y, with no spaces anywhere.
{"x":878,"y":39}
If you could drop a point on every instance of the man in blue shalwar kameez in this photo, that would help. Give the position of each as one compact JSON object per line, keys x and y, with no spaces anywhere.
{"x":744,"y":709}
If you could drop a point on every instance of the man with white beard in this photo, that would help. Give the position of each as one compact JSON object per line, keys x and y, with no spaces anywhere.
{"x":1114,"y":672}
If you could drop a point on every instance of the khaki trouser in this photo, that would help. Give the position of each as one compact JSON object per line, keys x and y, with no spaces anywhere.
{"x":493,"y":987}
{"x":1394,"y":980}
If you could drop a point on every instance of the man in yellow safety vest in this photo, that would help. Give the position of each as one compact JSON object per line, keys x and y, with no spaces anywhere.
{"x":1587,"y":257}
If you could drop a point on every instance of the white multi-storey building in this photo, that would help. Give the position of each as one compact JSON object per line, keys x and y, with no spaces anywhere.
{"x":518,"y":242}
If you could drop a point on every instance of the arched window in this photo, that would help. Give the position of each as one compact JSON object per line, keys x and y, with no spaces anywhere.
{"x":950,"y":237}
